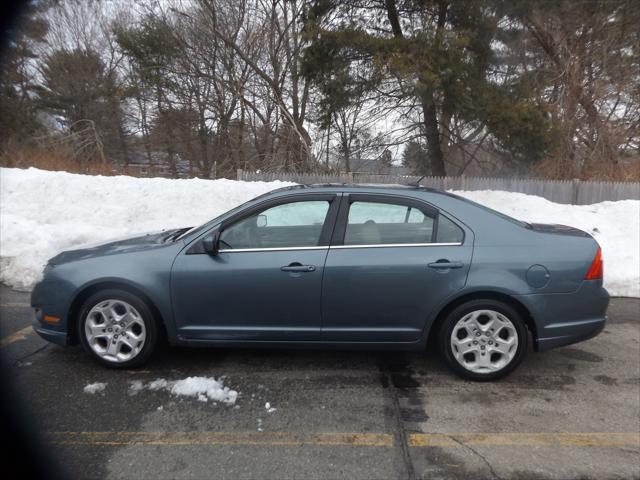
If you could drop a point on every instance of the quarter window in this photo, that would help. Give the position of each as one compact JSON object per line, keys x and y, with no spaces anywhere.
{"x":297,"y":224}
{"x":372,"y":223}
{"x":448,"y":232}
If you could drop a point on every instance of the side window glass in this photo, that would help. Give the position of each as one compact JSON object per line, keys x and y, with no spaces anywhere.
{"x":296,"y":224}
{"x":371,"y":223}
{"x":448,"y":232}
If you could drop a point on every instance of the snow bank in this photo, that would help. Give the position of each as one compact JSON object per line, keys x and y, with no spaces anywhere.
{"x":202,"y":388}
{"x":43,"y":213}
{"x":615,"y":225}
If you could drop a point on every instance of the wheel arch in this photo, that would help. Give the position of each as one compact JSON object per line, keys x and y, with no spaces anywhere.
{"x":88,"y":290}
{"x":434,"y":327}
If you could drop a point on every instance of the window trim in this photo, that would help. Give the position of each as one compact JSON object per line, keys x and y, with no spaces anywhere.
{"x":270,"y":249}
{"x":337,"y":240}
{"x":395,"y":245}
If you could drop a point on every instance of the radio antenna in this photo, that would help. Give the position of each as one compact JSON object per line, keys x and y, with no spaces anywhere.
{"x":417,"y":182}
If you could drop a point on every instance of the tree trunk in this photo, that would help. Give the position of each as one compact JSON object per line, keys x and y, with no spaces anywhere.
{"x":432,"y":132}
{"x":433,"y":135}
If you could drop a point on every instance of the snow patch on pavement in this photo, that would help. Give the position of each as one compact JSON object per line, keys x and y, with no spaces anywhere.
{"x":94,"y":388}
{"x":43,"y":213}
{"x":158,"y":384}
{"x":136,"y":387}
{"x":202,"y":389}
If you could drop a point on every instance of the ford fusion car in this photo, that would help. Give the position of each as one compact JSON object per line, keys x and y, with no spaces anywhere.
{"x":334,"y":266}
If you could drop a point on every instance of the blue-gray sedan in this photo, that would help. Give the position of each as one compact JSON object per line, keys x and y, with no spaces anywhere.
{"x":334,"y":266}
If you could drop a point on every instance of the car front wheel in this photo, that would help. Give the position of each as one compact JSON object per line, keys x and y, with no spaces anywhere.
{"x":483,"y":340}
{"x":117,"y":329}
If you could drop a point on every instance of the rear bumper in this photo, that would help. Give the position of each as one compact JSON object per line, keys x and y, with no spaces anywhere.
{"x":565,"y":318}
{"x":571,"y":332}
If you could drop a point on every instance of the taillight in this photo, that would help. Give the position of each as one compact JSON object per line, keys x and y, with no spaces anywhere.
{"x":596,"y":269}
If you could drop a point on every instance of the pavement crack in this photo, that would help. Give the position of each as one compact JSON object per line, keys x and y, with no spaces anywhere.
{"x":30,"y":354}
{"x":400,"y":433}
{"x":478,"y":454}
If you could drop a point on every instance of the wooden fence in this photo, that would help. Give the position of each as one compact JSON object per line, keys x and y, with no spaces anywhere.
{"x":576,"y":192}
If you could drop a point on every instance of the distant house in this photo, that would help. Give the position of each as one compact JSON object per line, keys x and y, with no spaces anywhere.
{"x":140,"y":165}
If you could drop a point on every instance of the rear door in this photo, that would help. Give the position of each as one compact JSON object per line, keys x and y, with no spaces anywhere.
{"x":392,"y":259}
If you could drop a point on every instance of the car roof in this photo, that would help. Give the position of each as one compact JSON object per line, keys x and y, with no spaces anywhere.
{"x":357,"y":186}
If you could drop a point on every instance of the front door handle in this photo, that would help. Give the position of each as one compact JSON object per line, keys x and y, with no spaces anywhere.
{"x":443,"y":264}
{"x":298,"y":268}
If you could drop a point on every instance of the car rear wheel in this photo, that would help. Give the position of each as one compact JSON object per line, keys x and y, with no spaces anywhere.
{"x":483,"y":340}
{"x":117,"y":329}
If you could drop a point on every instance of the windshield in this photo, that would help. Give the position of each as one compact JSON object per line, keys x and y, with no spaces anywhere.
{"x":212,"y":222}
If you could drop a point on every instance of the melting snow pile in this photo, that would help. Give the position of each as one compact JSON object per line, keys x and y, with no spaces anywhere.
{"x":201,"y":388}
{"x":43,"y":213}
{"x":93,"y":388}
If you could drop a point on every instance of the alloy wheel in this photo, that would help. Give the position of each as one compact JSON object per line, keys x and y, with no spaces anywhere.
{"x":484,"y":341}
{"x":115,"y":330}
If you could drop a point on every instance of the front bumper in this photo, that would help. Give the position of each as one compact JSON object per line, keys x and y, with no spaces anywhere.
{"x":59,"y":338}
{"x":47,"y":300}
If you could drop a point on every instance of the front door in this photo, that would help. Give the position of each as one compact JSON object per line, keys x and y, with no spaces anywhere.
{"x":392,"y":261}
{"x":265,"y":282}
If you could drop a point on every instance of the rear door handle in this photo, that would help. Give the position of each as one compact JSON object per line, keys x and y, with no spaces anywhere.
{"x":445,"y":264}
{"x":298,"y":268}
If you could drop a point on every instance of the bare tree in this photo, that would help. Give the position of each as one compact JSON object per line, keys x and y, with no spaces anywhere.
{"x":591,"y":59}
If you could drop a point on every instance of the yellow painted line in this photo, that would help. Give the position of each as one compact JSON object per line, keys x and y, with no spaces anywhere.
{"x":417,"y":440}
{"x":586,"y":439}
{"x":14,"y":337}
{"x":222,"y":438}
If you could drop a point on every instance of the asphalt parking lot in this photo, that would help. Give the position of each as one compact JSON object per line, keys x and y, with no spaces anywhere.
{"x":569,"y":413}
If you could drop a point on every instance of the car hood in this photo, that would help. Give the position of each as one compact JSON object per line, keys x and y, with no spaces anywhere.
{"x":559,"y":229}
{"x":142,"y":242}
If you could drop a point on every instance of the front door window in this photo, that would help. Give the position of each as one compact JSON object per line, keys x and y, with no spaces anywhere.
{"x":290,"y":225}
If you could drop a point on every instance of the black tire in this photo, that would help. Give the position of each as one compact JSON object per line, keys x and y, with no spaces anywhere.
{"x":150,"y":325}
{"x":452,"y":318}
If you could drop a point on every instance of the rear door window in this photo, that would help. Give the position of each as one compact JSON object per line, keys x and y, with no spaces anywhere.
{"x":374,"y":223}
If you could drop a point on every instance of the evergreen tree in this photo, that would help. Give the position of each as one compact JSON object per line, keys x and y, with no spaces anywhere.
{"x":18,"y":109}
{"x":77,"y":89}
{"x":436,"y":55}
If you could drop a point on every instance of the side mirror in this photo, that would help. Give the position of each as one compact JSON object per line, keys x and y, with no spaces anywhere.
{"x":211,"y":242}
